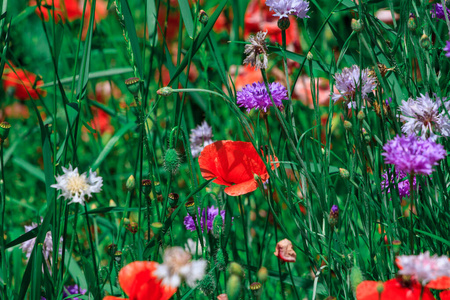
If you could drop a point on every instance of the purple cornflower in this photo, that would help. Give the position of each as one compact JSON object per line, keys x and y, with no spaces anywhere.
{"x":402,"y":180}
{"x":200,"y":137}
{"x":333,"y":217}
{"x":413,"y":156}
{"x":421,"y":116}
{"x":353,"y":80}
{"x":71,"y":290}
{"x":208,"y":216}
{"x":447,"y":48}
{"x":255,"y":96}
{"x":438,"y":11}
{"x":284,"y":8}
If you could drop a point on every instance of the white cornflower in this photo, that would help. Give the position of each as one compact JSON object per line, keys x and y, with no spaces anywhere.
{"x":422,"y":117}
{"x":75,"y":186}
{"x":200,"y":137}
{"x":423,"y":267}
{"x":256,"y":51}
{"x":351,"y":81}
{"x":47,"y":245}
{"x":177,"y":266}
{"x":284,"y":8}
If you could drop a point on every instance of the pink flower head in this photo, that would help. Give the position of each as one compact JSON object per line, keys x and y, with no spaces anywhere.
{"x":285,"y":251}
{"x":423,"y":267}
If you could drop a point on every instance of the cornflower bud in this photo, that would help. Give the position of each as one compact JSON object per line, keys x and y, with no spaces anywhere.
{"x":333,"y":218}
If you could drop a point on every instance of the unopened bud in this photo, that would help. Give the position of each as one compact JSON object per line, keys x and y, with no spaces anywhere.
{"x":397,"y":245}
{"x":156,"y":227}
{"x":203,"y":17}
{"x":380,"y":287}
{"x":347,"y":125}
{"x":412,"y":24}
{"x":309,"y":56}
{"x":355,"y":277}
{"x":131,"y":183}
{"x":165,"y":91}
{"x":263,"y":274}
{"x":111,"y":249}
{"x":333,"y":218}
{"x":171,"y":161}
{"x":217,"y":226}
{"x":233,"y":287}
{"x":236,"y":269}
{"x":284,"y":23}
{"x":357,"y":25}
{"x":425,"y":42}
{"x":133,"y":85}
{"x":344,"y":173}
{"x":361,"y":115}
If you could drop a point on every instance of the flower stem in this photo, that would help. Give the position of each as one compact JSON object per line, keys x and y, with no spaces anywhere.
{"x":244,"y":229}
{"x":411,"y":202}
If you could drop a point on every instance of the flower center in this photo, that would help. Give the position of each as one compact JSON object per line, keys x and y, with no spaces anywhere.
{"x":76,"y":184}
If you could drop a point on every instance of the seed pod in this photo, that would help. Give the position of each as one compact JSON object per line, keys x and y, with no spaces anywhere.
{"x":111,"y":249}
{"x":146,"y":187}
{"x":191,"y":208}
{"x":217,"y":226}
{"x":171,"y":161}
{"x":156,"y":227}
{"x":203,"y":17}
{"x":255,"y":287}
{"x":173,"y":199}
{"x":4,"y":130}
{"x":221,"y":259}
{"x":133,"y":85}
{"x":208,"y":285}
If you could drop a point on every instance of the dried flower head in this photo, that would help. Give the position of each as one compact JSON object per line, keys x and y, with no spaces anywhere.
{"x":200,"y":137}
{"x":423,"y":267}
{"x":413,"y":156}
{"x":75,"y":186}
{"x":284,"y":8}
{"x":352,"y":81}
{"x":256,"y":51}
{"x":425,"y":117}
{"x":285,"y":251}
{"x":255,"y":96}
{"x":178,"y":266}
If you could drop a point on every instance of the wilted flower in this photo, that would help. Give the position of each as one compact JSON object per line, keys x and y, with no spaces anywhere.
{"x":351,"y":81}
{"x":447,"y":48}
{"x":75,"y":186}
{"x":401,"y":178}
{"x":178,"y":266}
{"x":200,"y":137}
{"x":207,"y":217}
{"x":47,"y":244}
{"x":438,"y":11}
{"x":423,"y":267}
{"x":256,"y":96}
{"x":235,"y":165}
{"x":256,"y":51}
{"x":422,"y":117}
{"x":285,"y":251}
{"x":413,"y":156}
{"x":284,"y":8}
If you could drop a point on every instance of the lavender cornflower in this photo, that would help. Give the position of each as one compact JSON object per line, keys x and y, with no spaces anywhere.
{"x":423,"y":267}
{"x":256,"y":51}
{"x":403,"y":183}
{"x":438,"y":12}
{"x":255,"y":96}
{"x":284,"y":8}
{"x":333,"y":217}
{"x":71,"y":290}
{"x":447,"y":48}
{"x":207,"y":217}
{"x":413,"y":156}
{"x":422,"y":117}
{"x":47,"y":245}
{"x":200,"y":137}
{"x":348,"y":83}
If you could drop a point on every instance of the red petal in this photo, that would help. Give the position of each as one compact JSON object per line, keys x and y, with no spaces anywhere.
{"x":207,"y":161}
{"x":113,"y":298}
{"x":367,"y":290}
{"x":242,"y":188}
{"x":445,"y":295}
{"x":139,"y":283}
{"x":395,"y":290}
{"x":442,"y":283}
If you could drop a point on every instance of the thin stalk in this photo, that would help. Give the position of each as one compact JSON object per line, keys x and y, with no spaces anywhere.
{"x":244,"y":229}
{"x":3,"y":208}
{"x":411,"y":229}
{"x":91,"y":245}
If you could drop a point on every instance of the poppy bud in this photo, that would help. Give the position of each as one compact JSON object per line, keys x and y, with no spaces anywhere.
{"x":236,"y":269}
{"x":156,"y":227}
{"x":355,"y":277}
{"x":131,"y":183}
{"x":111,"y":249}
{"x":284,"y":23}
{"x":203,"y":17}
{"x":361,"y":115}
{"x":263,"y":274}
{"x":133,"y":85}
{"x":425,"y":42}
{"x":165,"y":91}
{"x":344,"y":173}
{"x":126,"y":221}
{"x":221,"y":259}
{"x":146,"y":186}
{"x":333,"y":218}
{"x":171,"y":161}
{"x":412,"y":24}
{"x":217,"y":226}
{"x":4,"y":130}
{"x":309,"y":56}
{"x":191,"y":208}
{"x":234,"y":287}
{"x":357,"y":25}
{"x":173,"y":199}
{"x":347,"y":125}
{"x":255,"y":287}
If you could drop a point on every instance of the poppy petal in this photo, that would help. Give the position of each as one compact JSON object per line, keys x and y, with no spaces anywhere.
{"x":242,"y":188}
{"x":114,"y":298}
{"x":367,"y":290}
{"x":208,"y":163}
{"x":442,"y":283}
{"x":445,"y":295}
{"x":395,"y":290}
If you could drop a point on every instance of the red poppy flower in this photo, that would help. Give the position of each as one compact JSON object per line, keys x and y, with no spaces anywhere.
{"x":445,"y":295}
{"x":233,"y":163}
{"x":70,"y":9}
{"x":394,"y":289}
{"x":22,"y":82}
{"x":139,"y":283}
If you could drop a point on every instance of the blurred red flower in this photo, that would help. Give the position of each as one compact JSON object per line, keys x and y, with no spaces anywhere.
{"x":21,"y":82}
{"x":394,"y":289}
{"x":70,"y":9}
{"x":139,"y":283}
{"x":233,"y":163}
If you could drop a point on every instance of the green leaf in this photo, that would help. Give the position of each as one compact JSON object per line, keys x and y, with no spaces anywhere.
{"x":187,"y":17}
